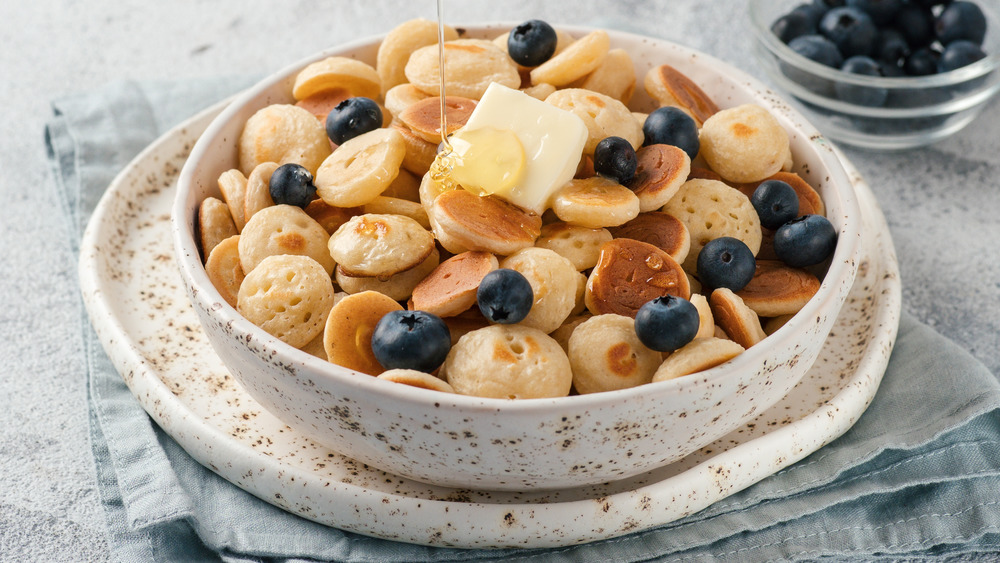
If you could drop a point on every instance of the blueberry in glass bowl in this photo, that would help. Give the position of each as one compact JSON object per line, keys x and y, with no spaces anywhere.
{"x":926,"y":72}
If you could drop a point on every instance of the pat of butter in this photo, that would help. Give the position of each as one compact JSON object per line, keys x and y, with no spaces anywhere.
{"x":552,"y":138}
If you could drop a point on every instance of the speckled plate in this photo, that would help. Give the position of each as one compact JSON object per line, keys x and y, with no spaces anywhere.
{"x":142,"y":315}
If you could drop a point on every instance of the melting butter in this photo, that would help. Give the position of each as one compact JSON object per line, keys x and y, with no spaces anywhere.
{"x":515,"y":147}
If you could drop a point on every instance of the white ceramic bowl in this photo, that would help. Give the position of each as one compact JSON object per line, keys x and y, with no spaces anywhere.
{"x":478,"y":443}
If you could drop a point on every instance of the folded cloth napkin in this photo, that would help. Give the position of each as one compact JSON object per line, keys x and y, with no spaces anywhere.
{"x":917,"y":476}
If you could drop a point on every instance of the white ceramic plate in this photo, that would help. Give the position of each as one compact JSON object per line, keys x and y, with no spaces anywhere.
{"x":142,"y":315}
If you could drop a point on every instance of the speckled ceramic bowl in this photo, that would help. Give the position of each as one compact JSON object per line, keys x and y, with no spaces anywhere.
{"x":476,"y":443}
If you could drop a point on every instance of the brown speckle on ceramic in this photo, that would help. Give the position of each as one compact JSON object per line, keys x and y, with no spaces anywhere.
{"x":139,"y":306}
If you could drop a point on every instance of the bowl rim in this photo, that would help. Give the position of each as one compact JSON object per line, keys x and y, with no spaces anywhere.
{"x":762,"y":31}
{"x":200,"y":288}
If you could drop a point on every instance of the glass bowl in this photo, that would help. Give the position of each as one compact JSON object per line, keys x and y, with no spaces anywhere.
{"x":917,"y":110}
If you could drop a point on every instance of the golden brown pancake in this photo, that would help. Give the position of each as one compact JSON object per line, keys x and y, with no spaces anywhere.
{"x":628,"y":274}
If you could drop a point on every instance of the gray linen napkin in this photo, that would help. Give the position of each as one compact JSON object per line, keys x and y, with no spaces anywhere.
{"x":917,"y":476}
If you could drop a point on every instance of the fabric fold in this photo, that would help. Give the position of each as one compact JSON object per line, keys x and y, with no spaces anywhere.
{"x":917,"y":475}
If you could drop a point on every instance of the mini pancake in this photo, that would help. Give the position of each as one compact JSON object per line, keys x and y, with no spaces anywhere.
{"x":451,"y":287}
{"x":257,"y":195}
{"x":424,"y":117}
{"x":711,"y":209}
{"x":579,"y":245}
{"x":698,"y":355}
{"x":777,"y":289}
{"x":283,"y":229}
{"x":628,"y":274}
{"x":595,"y":202}
{"x":744,"y":143}
{"x":380,"y":245}
{"x":614,"y":77}
{"x":565,"y":330}
{"x":338,"y":73}
{"x":415,"y":378}
{"x":606,"y":355}
{"x":465,"y":322}
{"x":603,"y":115}
{"x":660,"y":172}
{"x":706,"y":322}
{"x":739,"y":322}
{"x":539,"y":91}
{"x":282,"y":133}
{"x":702,"y":173}
{"x":670,"y":87}
{"x":554,"y":284}
{"x":399,"y":97}
{"x":215,"y":224}
{"x":328,"y":216}
{"x":397,"y":286}
{"x":482,"y":223}
{"x":288,"y":296}
{"x":405,"y":186}
{"x":348,"y":333}
{"x":233,"y":185}
{"x":471,"y":65}
{"x":508,"y":362}
{"x":397,"y":206}
{"x":400,"y":42}
{"x":418,"y":153}
{"x":224,"y":269}
{"x":660,"y":229}
{"x":361,"y":168}
{"x":577,"y":60}
{"x":320,"y":103}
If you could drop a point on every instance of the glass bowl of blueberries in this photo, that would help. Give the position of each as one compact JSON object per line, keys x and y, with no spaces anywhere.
{"x":882,"y":74}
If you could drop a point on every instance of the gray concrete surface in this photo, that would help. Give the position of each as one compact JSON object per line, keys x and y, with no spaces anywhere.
{"x":942,"y":202}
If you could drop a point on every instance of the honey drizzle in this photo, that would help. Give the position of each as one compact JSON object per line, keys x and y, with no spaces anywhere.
{"x":444,"y":163}
{"x":444,"y":115}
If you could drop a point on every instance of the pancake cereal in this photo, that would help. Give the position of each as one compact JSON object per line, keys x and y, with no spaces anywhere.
{"x":388,"y":231}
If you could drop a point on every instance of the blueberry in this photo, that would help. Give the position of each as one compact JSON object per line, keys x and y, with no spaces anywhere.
{"x":916,"y":23}
{"x":292,"y":184}
{"x":411,"y":340}
{"x":804,"y":241}
{"x":813,"y":12}
{"x":352,"y":117}
{"x":958,"y":54}
{"x":890,"y":69}
{"x":776,"y":203}
{"x":531,"y":43}
{"x":671,"y":126}
{"x":881,"y":11}
{"x":615,"y":158}
{"x":505,"y":296}
{"x":818,"y":48}
{"x":960,"y":20}
{"x":922,"y":62}
{"x":850,"y":29}
{"x":792,"y":25}
{"x":666,"y":323}
{"x":870,"y":96}
{"x":726,"y":262}
{"x":891,"y":46}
